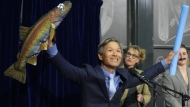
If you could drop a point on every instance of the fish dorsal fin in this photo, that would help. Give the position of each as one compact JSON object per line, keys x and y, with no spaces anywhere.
{"x":23,"y":32}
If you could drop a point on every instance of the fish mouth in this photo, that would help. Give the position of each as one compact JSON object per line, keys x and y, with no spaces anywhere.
{"x":64,"y":7}
{"x":59,"y":13}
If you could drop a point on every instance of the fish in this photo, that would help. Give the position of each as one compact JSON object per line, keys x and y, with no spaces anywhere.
{"x":34,"y":40}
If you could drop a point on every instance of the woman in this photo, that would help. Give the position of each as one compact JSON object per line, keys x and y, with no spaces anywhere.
{"x":138,"y":96}
{"x":179,"y":82}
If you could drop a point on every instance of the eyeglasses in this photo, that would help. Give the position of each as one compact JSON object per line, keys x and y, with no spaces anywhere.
{"x":128,"y":54}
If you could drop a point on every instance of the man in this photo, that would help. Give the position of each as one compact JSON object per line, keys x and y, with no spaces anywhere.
{"x":179,"y":82}
{"x":97,"y":88}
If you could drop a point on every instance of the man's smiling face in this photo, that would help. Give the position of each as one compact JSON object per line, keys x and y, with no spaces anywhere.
{"x":111,"y":57}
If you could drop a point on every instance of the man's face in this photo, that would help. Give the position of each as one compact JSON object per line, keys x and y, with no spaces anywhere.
{"x":183,"y":57}
{"x":111,"y":57}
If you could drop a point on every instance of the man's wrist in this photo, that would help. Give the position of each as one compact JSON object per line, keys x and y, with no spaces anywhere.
{"x":52,"y":51}
{"x":164,"y":63}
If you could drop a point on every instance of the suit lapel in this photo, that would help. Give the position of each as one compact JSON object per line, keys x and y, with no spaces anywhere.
{"x":101,"y":80}
{"x":180,"y":78}
{"x":188,"y":73}
{"x":123,"y":77}
{"x":122,"y":72}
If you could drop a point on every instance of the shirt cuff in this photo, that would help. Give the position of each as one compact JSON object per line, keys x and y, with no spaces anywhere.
{"x":164,"y":63}
{"x":52,"y":51}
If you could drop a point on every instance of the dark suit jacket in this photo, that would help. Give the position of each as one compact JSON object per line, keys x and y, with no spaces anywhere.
{"x":92,"y":81}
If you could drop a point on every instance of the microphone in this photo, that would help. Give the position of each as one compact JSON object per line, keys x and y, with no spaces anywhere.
{"x":142,"y":78}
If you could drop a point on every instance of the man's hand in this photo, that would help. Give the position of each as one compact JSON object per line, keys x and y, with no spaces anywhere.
{"x":170,"y":57}
{"x":49,"y":43}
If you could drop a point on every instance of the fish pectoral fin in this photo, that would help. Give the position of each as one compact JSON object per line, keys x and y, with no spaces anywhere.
{"x":16,"y":74}
{"x":43,"y":46}
{"x":52,"y":34}
{"x":32,"y":60}
{"x":23,"y":31}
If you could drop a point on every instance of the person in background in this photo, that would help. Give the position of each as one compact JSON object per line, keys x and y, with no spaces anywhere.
{"x":140,"y":95}
{"x":178,"y":82}
{"x":103,"y":86}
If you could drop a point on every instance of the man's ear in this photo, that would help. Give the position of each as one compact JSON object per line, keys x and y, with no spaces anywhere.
{"x":100,"y":57}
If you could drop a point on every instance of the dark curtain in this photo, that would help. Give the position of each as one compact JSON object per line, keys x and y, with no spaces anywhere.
{"x":77,"y":39}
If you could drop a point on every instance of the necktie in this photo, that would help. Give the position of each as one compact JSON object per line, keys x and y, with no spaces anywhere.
{"x":112,"y":87}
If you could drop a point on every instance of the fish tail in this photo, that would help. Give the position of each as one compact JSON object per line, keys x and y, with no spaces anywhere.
{"x":19,"y":75}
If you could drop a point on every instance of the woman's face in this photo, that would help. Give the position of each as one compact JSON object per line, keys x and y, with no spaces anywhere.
{"x":131,"y":58}
{"x":183,"y":57}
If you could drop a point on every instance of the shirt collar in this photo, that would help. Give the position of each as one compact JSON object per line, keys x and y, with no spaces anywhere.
{"x":106,"y":72}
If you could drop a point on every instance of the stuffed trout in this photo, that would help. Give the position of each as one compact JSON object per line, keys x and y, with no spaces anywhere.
{"x":34,"y":40}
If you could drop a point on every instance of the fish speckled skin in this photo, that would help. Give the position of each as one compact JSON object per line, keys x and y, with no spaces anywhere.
{"x":34,"y":40}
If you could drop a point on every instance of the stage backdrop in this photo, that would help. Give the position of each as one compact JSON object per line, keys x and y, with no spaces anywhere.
{"x":114,"y":20}
{"x":166,"y":20}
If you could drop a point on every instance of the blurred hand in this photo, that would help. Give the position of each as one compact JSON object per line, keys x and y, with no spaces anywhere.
{"x":170,"y":57}
{"x":49,"y":43}
{"x":140,"y":98}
